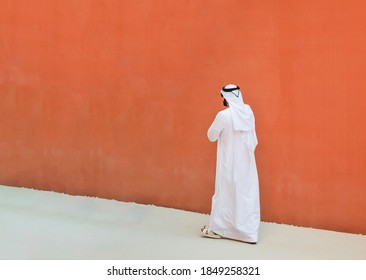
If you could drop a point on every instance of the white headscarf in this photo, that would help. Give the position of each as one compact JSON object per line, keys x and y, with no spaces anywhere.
{"x":241,"y":113}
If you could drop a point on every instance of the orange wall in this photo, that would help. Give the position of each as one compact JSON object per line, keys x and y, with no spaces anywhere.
{"x":113,"y":99}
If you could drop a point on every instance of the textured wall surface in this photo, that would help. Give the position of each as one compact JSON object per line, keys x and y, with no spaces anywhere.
{"x":114,"y":98}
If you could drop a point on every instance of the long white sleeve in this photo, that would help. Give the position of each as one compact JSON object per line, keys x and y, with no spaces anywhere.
{"x":218,"y":125}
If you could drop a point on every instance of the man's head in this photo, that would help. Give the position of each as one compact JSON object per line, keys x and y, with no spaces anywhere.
{"x":231,"y":88}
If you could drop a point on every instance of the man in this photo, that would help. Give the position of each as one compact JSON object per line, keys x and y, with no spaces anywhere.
{"x":235,"y":212}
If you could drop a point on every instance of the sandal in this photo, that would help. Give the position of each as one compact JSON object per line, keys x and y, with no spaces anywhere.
{"x":208,"y":233}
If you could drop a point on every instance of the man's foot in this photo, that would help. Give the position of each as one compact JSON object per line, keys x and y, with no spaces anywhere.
{"x":206,"y":232}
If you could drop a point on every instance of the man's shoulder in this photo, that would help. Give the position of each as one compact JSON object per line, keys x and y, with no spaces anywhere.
{"x":225,"y":112}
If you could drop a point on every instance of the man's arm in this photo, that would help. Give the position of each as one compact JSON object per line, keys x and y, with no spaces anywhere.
{"x":216,"y":127}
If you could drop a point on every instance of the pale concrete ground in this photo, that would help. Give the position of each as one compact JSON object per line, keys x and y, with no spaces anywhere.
{"x":47,"y":225}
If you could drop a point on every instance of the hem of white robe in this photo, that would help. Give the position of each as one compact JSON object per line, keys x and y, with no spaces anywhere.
{"x":235,"y":236}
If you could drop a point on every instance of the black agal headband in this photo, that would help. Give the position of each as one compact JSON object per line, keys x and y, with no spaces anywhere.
{"x":230,"y":89}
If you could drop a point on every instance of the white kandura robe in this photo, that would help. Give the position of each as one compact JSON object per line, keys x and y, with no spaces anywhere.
{"x":235,"y":212}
